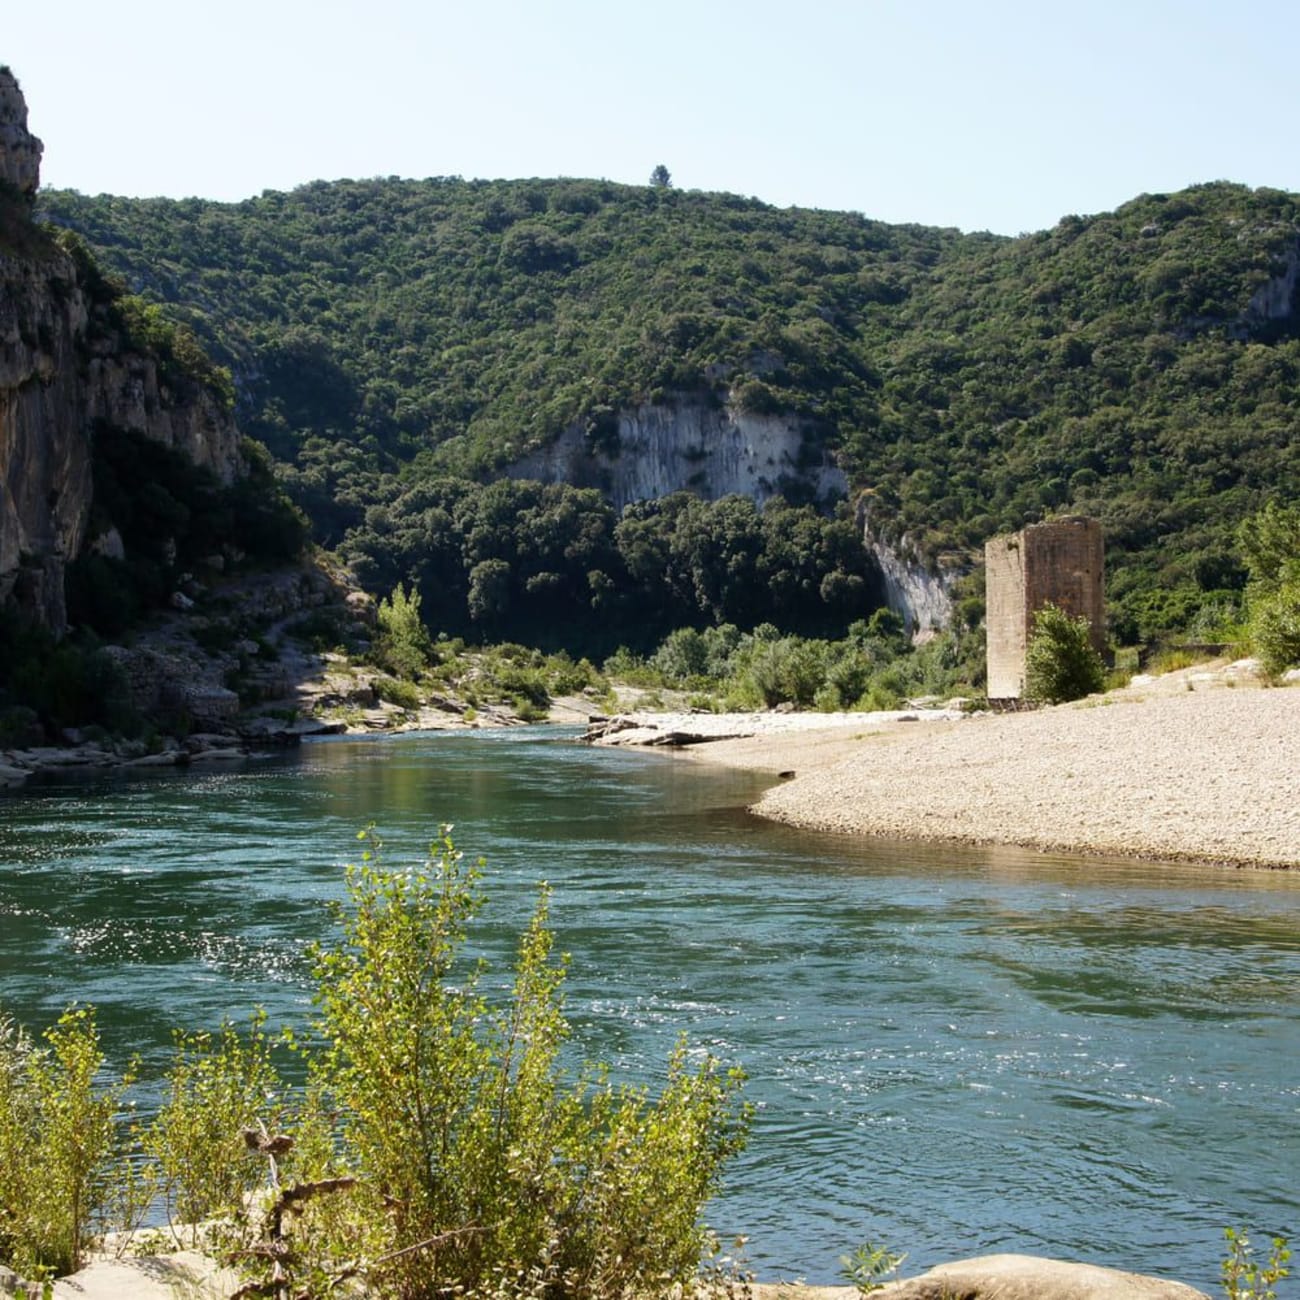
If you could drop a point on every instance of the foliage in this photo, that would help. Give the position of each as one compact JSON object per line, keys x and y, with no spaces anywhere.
{"x":397,"y":690}
{"x":1275,"y":628}
{"x":1270,"y":543}
{"x":555,"y":565}
{"x":1244,"y":1277}
{"x":474,"y":1160}
{"x":870,"y":1267}
{"x":403,"y":645}
{"x":47,"y":684}
{"x":173,"y":517}
{"x":1061,"y":662}
{"x":388,"y":333}
{"x":461,"y":1119}
{"x":56,"y":1143}
{"x":181,"y":357}
{"x":873,"y":667}
{"x":218,"y":1086}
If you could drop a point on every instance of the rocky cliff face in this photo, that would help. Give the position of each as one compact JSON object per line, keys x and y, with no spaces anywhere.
{"x":713,"y":451}
{"x":45,"y":471}
{"x":1275,"y":300}
{"x":20,"y":150}
{"x":922,"y":597}
{"x":716,"y":451}
{"x":68,"y":375}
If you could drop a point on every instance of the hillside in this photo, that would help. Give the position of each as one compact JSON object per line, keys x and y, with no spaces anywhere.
{"x":1142,"y":365}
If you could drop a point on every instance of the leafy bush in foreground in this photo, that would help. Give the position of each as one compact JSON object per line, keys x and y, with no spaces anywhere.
{"x":56,"y":1141}
{"x":438,"y":1147}
{"x":463,"y":1126}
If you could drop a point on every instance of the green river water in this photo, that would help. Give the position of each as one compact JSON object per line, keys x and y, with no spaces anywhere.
{"x":950,"y":1052}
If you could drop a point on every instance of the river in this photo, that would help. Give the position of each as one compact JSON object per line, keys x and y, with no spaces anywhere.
{"x":951,"y":1052}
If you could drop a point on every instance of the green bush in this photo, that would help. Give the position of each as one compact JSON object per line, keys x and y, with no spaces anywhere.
{"x":218,"y":1086}
{"x":1060,"y":662}
{"x":1270,"y":541}
{"x":1275,"y":628}
{"x":790,"y":670}
{"x":473,"y":1161}
{"x":463,"y":1127}
{"x":56,"y":1144}
{"x":403,"y":645}
{"x":1246,"y":1278}
{"x":394,"y":690}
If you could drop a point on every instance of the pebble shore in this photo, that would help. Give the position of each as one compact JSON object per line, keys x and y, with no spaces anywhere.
{"x":1200,"y":767}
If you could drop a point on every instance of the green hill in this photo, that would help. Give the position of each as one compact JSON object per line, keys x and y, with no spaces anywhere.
{"x":1142,"y":365}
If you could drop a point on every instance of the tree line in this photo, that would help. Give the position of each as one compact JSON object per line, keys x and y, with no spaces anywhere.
{"x":557,"y":566}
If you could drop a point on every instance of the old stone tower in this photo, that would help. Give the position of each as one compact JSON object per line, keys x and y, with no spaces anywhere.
{"x":1058,"y":561}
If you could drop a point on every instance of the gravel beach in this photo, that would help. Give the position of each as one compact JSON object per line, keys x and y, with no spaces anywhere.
{"x":1181,"y":768}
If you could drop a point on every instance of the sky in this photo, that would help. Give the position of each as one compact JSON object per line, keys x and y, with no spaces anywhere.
{"x":1000,"y":115}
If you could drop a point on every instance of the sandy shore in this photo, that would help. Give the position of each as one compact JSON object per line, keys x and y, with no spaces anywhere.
{"x":1181,"y":769}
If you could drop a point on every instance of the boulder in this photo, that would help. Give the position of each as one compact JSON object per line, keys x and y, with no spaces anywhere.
{"x":1030,"y":1277}
{"x":149,"y":1277}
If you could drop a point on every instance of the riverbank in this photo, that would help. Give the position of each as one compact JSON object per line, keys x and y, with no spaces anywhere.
{"x":1185,"y":768}
{"x":1006,"y":1277}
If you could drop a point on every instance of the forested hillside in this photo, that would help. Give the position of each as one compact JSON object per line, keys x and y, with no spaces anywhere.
{"x":389,"y":336}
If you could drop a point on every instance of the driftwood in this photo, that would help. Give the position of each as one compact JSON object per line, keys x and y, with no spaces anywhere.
{"x":290,"y":1200}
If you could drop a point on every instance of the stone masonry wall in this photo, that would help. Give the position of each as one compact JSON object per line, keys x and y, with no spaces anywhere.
{"x":1059,"y":561}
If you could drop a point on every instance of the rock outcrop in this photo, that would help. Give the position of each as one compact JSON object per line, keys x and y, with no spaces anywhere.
{"x":713,"y":451}
{"x":68,"y":374}
{"x":923,"y":596}
{"x":20,"y":150}
{"x":45,"y":468}
{"x":1275,"y":299}
{"x":1030,"y":1277}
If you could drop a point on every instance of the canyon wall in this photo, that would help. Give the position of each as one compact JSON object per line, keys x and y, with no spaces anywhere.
{"x":69,"y":374}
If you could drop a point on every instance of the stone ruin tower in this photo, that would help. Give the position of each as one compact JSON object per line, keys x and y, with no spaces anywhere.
{"x":1058,"y":562}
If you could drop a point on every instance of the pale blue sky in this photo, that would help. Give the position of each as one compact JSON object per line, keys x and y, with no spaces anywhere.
{"x":993,"y":114}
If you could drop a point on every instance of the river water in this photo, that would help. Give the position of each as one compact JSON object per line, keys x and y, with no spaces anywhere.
{"x":951,"y":1052}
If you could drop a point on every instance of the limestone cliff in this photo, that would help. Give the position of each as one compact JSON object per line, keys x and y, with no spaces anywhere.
{"x":713,"y":451}
{"x":70,"y":373}
{"x":20,"y":150}
{"x":921,"y":595}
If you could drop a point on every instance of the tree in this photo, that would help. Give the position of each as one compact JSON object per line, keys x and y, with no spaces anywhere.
{"x":404,"y":646}
{"x":661,"y":178}
{"x":1061,"y":663}
{"x":1270,"y":541}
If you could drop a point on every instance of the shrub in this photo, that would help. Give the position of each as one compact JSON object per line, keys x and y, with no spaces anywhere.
{"x":393,"y":690}
{"x":1246,"y":1278}
{"x":682,"y":655}
{"x":56,"y":1144}
{"x":465,"y":1129}
{"x":403,"y":645}
{"x":474,"y":1162}
{"x":1270,"y":541}
{"x":789,"y":670}
{"x":1275,"y":628}
{"x":218,"y":1086}
{"x":1060,"y":662}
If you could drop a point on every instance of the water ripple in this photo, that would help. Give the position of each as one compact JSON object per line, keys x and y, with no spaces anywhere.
{"x":951,"y":1052}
